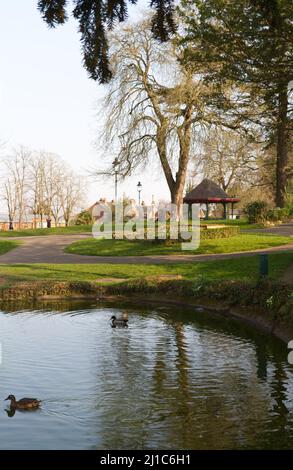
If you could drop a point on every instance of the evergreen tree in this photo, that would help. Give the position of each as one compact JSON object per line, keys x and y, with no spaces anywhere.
{"x":248,"y":43}
{"x":95,"y":17}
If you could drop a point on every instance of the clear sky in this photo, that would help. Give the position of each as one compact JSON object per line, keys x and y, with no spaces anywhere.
{"x":48,"y":102}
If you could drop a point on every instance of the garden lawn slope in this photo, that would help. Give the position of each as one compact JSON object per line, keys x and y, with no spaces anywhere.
{"x":243,"y":269}
{"x":239,"y":243}
{"x":6,"y":246}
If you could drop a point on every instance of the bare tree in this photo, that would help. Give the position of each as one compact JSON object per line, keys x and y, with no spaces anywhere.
{"x":54,"y":172}
{"x":10,"y":196}
{"x":42,"y":184}
{"x":19,"y":170}
{"x":153,"y":105}
{"x":71,"y":195}
{"x":37,"y":185}
{"x":229,"y":158}
{"x":56,"y":202}
{"x":15,"y":184}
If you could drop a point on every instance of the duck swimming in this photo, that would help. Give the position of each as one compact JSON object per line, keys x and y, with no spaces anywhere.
{"x":23,"y":403}
{"x":120,"y":322}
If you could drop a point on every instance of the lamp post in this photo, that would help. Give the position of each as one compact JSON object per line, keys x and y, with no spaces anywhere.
{"x":115,"y":164}
{"x":139,"y":186}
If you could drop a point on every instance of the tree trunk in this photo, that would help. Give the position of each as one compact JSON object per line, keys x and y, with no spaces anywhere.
{"x":184,"y":137}
{"x":55,"y":217}
{"x":162,"y":151}
{"x":282,"y":148}
{"x":176,"y":186}
{"x":178,"y":189}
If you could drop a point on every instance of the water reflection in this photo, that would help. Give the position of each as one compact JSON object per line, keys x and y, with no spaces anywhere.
{"x":10,"y":412}
{"x":173,"y":379}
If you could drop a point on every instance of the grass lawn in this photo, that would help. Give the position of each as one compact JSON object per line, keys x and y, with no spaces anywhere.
{"x":242,"y":223}
{"x":242,"y":242}
{"x":46,"y":231}
{"x":236,"y":269}
{"x":6,"y":246}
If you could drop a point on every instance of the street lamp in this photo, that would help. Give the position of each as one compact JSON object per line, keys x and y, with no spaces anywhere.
{"x":115,"y":164}
{"x":139,"y":186}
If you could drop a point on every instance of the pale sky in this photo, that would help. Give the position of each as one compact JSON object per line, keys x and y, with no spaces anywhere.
{"x":48,"y":102}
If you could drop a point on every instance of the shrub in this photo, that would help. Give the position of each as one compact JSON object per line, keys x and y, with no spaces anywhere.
{"x":205,"y":234}
{"x":256,"y":211}
{"x":284,"y":213}
{"x":278,"y":213}
{"x":84,"y":218}
{"x":272,"y":215}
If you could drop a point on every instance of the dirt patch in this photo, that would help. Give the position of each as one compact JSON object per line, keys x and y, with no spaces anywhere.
{"x":164,"y":277}
{"x":110,"y":280}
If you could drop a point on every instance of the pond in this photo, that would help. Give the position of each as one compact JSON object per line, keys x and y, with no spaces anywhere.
{"x":177,"y":378}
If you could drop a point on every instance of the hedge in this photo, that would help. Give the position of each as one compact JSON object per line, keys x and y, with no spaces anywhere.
{"x":220,"y":232}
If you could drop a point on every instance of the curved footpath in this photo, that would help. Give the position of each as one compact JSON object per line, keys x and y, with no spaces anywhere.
{"x":50,"y":249}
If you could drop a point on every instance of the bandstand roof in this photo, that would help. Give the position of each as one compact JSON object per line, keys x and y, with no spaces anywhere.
{"x":208,"y":191}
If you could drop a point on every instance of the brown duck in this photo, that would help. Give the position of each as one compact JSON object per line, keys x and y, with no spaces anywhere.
{"x":23,"y":403}
{"x":120,"y":322}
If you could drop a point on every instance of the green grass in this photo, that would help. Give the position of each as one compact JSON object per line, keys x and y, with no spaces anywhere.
{"x":246,"y":268}
{"x":242,"y":223}
{"x":6,"y":246}
{"x":46,"y":231}
{"x":242,"y":242}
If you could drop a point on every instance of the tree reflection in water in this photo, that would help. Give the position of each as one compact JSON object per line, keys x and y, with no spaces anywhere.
{"x":175,"y":378}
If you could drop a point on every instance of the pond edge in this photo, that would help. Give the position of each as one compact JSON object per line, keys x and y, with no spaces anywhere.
{"x":266,"y":304}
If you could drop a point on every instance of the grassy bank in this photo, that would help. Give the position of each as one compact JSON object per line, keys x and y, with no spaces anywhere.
{"x":267,"y":304}
{"x":6,"y":246}
{"x":46,"y":231}
{"x":223,"y":285}
{"x":243,"y":269}
{"x":242,"y":242}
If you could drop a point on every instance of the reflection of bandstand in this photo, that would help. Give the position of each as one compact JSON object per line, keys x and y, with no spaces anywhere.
{"x":208,"y":192}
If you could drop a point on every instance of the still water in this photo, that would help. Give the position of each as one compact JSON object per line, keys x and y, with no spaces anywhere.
{"x":175,"y":379}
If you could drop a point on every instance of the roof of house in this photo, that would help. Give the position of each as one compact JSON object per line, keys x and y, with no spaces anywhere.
{"x":208,"y":191}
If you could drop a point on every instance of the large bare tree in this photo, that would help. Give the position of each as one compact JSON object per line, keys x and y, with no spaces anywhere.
{"x":229,"y":158}
{"x":153,"y":106}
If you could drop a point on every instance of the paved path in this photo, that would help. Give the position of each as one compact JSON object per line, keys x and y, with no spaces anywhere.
{"x":285,"y":230}
{"x":49,"y":249}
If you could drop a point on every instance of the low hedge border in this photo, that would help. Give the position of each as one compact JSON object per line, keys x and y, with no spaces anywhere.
{"x":219,"y":232}
{"x":273,"y":298}
{"x":206,"y":234}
